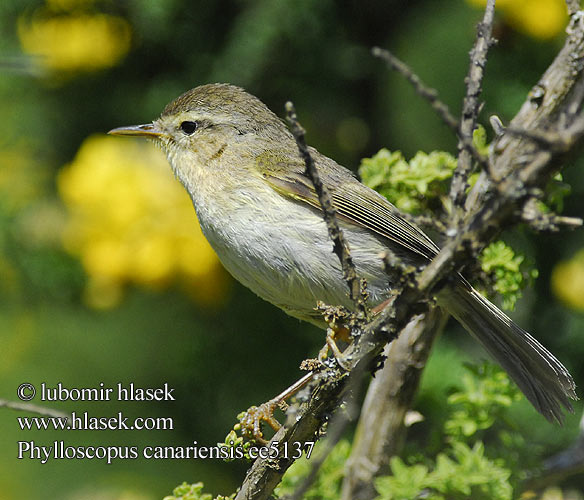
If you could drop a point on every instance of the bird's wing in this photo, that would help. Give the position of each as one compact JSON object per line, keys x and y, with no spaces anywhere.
{"x":352,"y":200}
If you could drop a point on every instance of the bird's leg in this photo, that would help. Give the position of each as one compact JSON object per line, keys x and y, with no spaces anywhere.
{"x":339,"y":330}
{"x":379,"y":307}
{"x":251,"y":420}
{"x":334,"y":334}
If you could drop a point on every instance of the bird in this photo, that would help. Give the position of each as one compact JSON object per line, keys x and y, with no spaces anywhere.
{"x":259,"y":211}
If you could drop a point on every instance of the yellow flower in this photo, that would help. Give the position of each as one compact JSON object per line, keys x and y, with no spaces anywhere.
{"x":568,"y":281}
{"x":130,"y":221}
{"x":84,"y":42}
{"x":542,"y":19}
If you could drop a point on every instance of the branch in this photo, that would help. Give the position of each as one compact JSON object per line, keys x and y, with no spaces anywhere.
{"x":428,"y":93}
{"x":470,"y":107}
{"x":540,"y":221}
{"x":559,"y":467}
{"x":381,"y":430}
{"x":340,"y":245}
{"x":39,"y":410}
{"x":431,"y":95}
{"x":573,"y":7}
{"x":335,"y":432}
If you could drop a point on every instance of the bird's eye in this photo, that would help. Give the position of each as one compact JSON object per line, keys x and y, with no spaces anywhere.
{"x":189,"y":127}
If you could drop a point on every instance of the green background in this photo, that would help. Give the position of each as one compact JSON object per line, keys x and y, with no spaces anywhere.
{"x":223,"y":358}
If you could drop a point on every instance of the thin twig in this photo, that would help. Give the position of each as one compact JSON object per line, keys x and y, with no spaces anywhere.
{"x":559,"y":142}
{"x":470,"y":107}
{"x":573,"y":6}
{"x":547,"y":221}
{"x":39,"y":410}
{"x":426,"y":221}
{"x":431,"y":95}
{"x":428,"y":93}
{"x":340,"y":244}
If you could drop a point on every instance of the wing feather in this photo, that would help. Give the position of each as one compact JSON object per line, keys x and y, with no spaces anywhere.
{"x":354,"y":202}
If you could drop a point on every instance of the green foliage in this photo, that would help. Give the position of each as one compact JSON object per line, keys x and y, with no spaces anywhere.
{"x":237,"y":438}
{"x":479,"y":140}
{"x":420,"y":185}
{"x":462,"y":472}
{"x":487,"y":392}
{"x":412,"y":185}
{"x":556,"y":191}
{"x":503,"y":268}
{"x":330,"y":476}
{"x":194,"y":491}
{"x":464,"y":468}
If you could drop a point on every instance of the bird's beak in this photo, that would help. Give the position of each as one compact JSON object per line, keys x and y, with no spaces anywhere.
{"x":146,"y":130}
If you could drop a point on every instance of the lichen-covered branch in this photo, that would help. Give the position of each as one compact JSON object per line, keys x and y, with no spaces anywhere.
{"x":470,"y":106}
{"x":381,"y":429}
{"x":340,"y":245}
{"x":573,"y":6}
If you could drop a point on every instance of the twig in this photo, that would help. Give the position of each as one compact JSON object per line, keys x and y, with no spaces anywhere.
{"x":470,"y":107}
{"x":557,"y":468}
{"x":340,"y":244}
{"x":428,"y":93}
{"x":573,"y":6}
{"x":39,"y":410}
{"x":560,"y":141}
{"x":431,"y":95}
{"x":426,"y":221}
{"x":541,"y":221}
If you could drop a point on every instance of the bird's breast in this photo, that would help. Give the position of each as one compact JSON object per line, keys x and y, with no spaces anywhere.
{"x":280,"y":249}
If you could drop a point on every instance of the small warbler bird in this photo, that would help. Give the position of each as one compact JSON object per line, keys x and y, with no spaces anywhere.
{"x":242,"y":168}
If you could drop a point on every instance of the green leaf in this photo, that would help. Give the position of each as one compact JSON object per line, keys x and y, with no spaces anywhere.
{"x":327,"y":485}
{"x":479,"y":140}
{"x":486,"y":392}
{"x":187,"y":491}
{"x":504,"y":267}
{"x":411,"y":186}
{"x":407,"y":481}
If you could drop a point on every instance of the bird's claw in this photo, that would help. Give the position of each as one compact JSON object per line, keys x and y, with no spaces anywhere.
{"x":251,"y":420}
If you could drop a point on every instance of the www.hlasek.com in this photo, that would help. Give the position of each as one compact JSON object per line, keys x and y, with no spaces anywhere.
{"x":83,"y":421}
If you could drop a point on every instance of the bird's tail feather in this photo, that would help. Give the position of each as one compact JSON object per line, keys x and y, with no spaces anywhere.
{"x":546,"y":383}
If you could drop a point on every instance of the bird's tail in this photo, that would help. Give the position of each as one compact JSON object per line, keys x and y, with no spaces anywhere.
{"x":546,"y":383}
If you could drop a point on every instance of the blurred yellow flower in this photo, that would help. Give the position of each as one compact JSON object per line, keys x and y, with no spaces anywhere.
{"x":568,"y":281}
{"x":130,"y":221}
{"x":84,"y":42}
{"x":542,"y":19}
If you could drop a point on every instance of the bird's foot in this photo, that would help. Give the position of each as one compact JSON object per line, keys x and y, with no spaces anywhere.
{"x":251,"y":420}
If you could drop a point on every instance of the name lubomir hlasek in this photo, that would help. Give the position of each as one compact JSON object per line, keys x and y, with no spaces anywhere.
{"x":102,"y":393}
